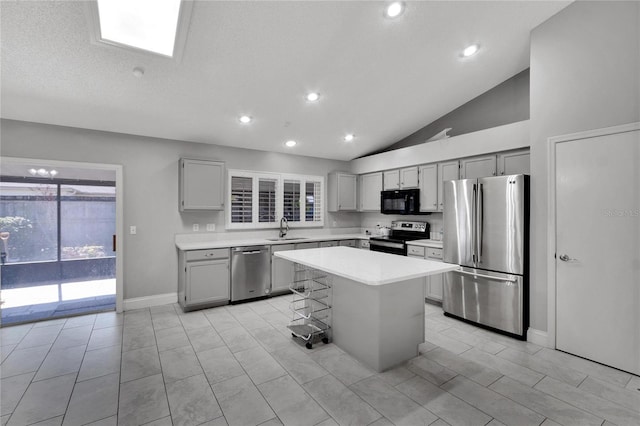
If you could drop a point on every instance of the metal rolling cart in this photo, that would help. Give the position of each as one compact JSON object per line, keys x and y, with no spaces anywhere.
{"x":311,"y":305}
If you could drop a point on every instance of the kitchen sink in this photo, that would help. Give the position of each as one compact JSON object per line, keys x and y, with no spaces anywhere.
{"x":286,"y":239}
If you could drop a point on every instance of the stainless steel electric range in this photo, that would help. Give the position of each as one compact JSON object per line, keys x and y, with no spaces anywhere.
{"x":401,"y":232}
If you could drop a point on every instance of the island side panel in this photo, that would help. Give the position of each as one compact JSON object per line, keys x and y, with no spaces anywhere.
{"x":382,"y":325}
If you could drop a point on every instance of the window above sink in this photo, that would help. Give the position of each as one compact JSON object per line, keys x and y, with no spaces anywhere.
{"x":259,"y":199}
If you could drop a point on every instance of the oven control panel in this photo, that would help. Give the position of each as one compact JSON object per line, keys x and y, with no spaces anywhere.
{"x":398,"y":225}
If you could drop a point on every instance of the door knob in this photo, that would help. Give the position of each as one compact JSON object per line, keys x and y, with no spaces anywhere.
{"x":566,"y":258}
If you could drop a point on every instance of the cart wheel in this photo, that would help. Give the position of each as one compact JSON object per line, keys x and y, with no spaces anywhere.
{"x":325,"y":340}
{"x":309,"y":345}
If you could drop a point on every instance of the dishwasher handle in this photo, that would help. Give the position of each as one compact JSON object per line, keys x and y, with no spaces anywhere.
{"x":252,"y":250}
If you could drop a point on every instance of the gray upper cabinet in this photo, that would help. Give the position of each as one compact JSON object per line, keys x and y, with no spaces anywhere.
{"x":201,"y":185}
{"x":514,"y":162}
{"x":449,"y":170}
{"x":409,"y":177}
{"x":429,"y":188}
{"x":477,"y":167}
{"x":401,"y":179}
{"x":370,"y":188}
{"x":391,"y":179}
{"x":342,"y":192}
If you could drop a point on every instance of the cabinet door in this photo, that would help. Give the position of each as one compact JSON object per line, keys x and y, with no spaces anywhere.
{"x":446,"y":171}
{"x":282,"y":271}
{"x":477,"y":167}
{"x":434,"y":287}
{"x":391,"y":180}
{"x":409,"y":177}
{"x":514,"y":163}
{"x":201,"y":185}
{"x":347,"y":243}
{"x":370,"y":188}
{"x":425,"y":279}
{"x":347,"y":192}
{"x":207,"y":281}
{"x":429,"y":188}
{"x":328,"y":244}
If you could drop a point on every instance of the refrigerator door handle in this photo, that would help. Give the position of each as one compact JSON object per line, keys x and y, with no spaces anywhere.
{"x":474,"y":225}
{"x":480,"y":222}
{"x":489,"y":277}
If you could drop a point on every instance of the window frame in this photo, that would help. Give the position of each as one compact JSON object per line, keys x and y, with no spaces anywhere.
{"x":279,"y":178}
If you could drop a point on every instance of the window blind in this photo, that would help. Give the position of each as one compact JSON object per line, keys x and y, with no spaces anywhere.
{"x":267,"y":200}
{"x":313,"y":202}
{"x":241,"y":199}
{"x":291,"y":202}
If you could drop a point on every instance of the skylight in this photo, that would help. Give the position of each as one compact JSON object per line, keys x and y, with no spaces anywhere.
{"x":144,"y":24}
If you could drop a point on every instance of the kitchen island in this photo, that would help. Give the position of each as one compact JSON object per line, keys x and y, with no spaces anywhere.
{"x":378,"y":301}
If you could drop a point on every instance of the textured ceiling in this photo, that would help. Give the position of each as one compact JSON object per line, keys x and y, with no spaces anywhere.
{"x":381,"y":79}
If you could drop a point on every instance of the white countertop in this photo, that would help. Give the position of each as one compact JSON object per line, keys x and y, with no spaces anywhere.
{"x":425,"y":243}
{"x":213,"y":244}
{"x":367,"y":267}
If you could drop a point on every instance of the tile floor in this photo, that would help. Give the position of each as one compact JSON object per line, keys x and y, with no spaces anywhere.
{"x":238,"y":365}
{"x":41,"y":302}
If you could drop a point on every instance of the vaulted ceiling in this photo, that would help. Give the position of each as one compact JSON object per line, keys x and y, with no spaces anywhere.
{"x":379,"y":78}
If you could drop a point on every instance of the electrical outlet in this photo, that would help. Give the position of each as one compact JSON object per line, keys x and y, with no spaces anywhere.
{"x":211,"y":227}
{"x":133,"y":230}
{"x":196,"y":227}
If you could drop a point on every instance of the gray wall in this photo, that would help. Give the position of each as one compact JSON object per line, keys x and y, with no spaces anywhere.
{"x":585,"y":74}
{"x":506,"y":103}
{"x":150,"y":168}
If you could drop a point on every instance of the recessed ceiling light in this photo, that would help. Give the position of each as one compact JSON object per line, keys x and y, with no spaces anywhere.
{"x":245,"y":119}
{"x":145,"y":24}
{"x":470,"y":50}
{"x":138,"y":72}
{"x":313,"y":96}
{"x":290,"y":144}
{"x":349,"y":137}
{"x":394,"y":9}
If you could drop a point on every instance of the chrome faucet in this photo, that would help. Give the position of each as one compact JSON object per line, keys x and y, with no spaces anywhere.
{"x":284,"y":229}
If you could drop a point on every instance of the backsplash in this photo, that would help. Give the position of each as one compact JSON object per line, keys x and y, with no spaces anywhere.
{"x":369,"y":222}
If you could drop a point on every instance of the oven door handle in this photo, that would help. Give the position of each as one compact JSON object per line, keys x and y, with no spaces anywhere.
{"x":386,"y":244}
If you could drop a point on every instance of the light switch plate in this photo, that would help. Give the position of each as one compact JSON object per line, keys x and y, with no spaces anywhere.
{"x":133,"y":230}
{"x":211,"y":227}
{"x":196,"y":227}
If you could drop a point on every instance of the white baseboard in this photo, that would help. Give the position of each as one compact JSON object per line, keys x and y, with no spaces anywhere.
{"x":148,"y":301}
{"x":538,"y":337}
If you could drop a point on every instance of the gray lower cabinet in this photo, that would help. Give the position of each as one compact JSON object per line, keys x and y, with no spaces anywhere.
{"x":328,"y":244}
{"x":203,"y":280}
{"x":282,"y":271}
{"x":433,"y":283}
{"x":348,"y":243}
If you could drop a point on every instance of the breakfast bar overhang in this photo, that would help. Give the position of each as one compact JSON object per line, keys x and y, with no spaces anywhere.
{"x":378,"y":301}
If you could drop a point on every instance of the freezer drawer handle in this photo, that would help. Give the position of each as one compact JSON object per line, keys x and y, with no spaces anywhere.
{"x":252,"y":252}
{"x":490,"y":277}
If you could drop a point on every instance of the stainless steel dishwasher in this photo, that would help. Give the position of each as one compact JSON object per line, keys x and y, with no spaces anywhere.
{"x":250,"y":272}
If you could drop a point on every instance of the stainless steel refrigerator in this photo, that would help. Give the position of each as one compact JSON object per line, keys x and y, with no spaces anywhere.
{"x":486,"y":232}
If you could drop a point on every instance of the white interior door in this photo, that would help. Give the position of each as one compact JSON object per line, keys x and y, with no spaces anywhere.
{"x":598,"y":249}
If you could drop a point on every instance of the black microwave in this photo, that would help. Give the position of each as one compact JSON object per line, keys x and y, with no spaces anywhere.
{"x":400,"y":201}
